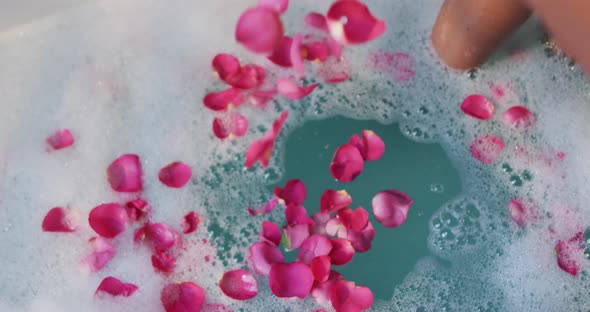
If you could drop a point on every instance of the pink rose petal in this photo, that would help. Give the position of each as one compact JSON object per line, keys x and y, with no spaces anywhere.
{"x":102,"y":253}
{"x":316,"y":20}
{"x":159,"y":235}
{"x":320,"y":267}
{"x":260,"y":98}
{"x":261,"y":150}
{"x":314,"y":246}
{"x":319,"y":222}
{"x":163,"y":262}
{"x":182,"y":297}
{"x":373,"y":145}
{"x":391,"y":207}
{"x":293,"y":91}
{"x":400,"y":64}
{"x":264,"y":209}
{"x":215,"y":307}
{"x":317,"y":51}
{"x":124,"y":174}
{"x":362,"y":240}
{"x":478,"y":106}
{"x":297,"y":56}
{"x":522,"y":212}
{"x":288,"y":280}
{"x":223,"y":100}
{"x":566,"y":253}
{"x":137,"y":209}
{"x":518,"y":116}
{"x":271,"y":233}
{"x":295,"y":214}
{"x":351,"y":22}
{"x":190,"y":222}
{"x":342,"y":251}
{"x":347,"y":163}
{"x":334,"y":70}
{"x":59,"y":219}
{"x":261,"y":255}
{"x":280,"y":6}
{"x":225,"y":65}
{"x":115,"y":287}
{"x":487,"y":148}
{"x":248,"y":77}
{"x":334,"y":200}
{"x":175,"y":175}
{"x":260,"y":29}
{"x":282,"y":55}
{"x":230,"y":126}
{"x":294,"y":192}
{"x":61,"y":139}
{"x":355,"y":220}
{"x":238,"y":285}
{"x":294,"y":236}
{"x":335,"y":227}
{"x":321,"y":290}
{"x":346,"y":296}
{"x":108,"y":220}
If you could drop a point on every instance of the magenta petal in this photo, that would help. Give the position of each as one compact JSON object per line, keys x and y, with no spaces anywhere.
{"x":478,"y":106}
{"x":160,"y":235}
{"x":293,"y":91}
{"x":223,"y":100}
{"x":487,"y":148}
{"x":248,"y":77}
{"x":334,"y":200}
{"x":321,"y":291}
{"x":317,"y":51}
{"x":295,"y":214}
{"x":296,"y":56}
{"x":115,"y":287}
{"x":238,"y":285}
{"x":294,"y":236}
{"x":260,"y":98}
{"x":282,"y":55}
{"x":163,"y":262}
{"x":313,"y":246}
{"x":567,"y":251}
{"x":373,"y":146}
{"x":61,"y":139}
{"x":334,"y":70}
{"x":362,"y":240}
{"x":271,"y":233}
{"x":290,"y":280}
{"x":342,"y":251}
{"x":225,"y":65}
{"x":294,"y":192}
{"x":264,"y":209}
{"x":391,"y":207}
{"x":522,"y":212}
{"x":319,"y":222}
{"x":215,"y":307}
{"x":518,"y":116}
{"x":346,"y":296}
{"x":355,"y":220}
{"x":261,"y":150}
{"x":280,"y":6}
{"x":351,"y":22}
{"x":137,"y":209}
{"x":335,"y":227}
{"x":320,"y":267}
{"x":108,"y":220}
{"x":175,"y":175}
{"x":59,"y":219}
{"x":233,"y":125}
{"x":316,"y":20}
{"x":182,"y":297}
{"x":260,"y":30}
{"x":190,"y":222}
{"x":261,"y":255}
{"x":347,"y":163}
{"x":124,"y":174}
{"x":102,"y":253}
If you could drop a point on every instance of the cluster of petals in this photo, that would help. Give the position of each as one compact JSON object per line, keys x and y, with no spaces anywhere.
{"x":349,"y":159}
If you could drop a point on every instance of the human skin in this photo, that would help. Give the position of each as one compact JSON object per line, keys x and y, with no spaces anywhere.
{"x":467,"y":32}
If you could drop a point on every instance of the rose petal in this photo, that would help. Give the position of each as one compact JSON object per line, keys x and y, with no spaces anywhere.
{"x":215,"y":307}
{"x":319,"y":222}
{"x":320,"y":267}
{"x":115,"y":287}
{"x":400,"y":64}
{"x":260,"y":98}
{"x":59,"y":219}
{"x":335,"y":227}
{"x":567,"y":251}
{"x":108,"y":220}
{"x":223,"y":100}
{"x":351,"y":22}
{"x":478,"y":106}
{"x":346,"y":296}
{"x":334,"y":200}
{"x":391,"y":207}
{"x":175,"y":175}
{"x":334,"y":70}
{"x":297,"y":56}
{"x":225,"y":65}
{"x":518,"y":116}
{"x":313,"y":246}
{"x":182,"y":297}
{"x":522,"y":212}
{"x":264,"y":209}
{"x":163,"y":262}
{"x":292,"y":91}
{"x":233,"y":125}
{"x":271,"y":233}
{"x":190,"y":222}
{"x":261,"y":255}
{"x":288,"y":280}
{"x":342,"y":251}
{"x":321,"y":291}
{"x":347,"y":163}
{"x":295,"y":214}
{"x":137,"y":209}
{"x":294,"y":192}
{"x":362,"y":241}
{"x":159,"y":235}
{"x":259,"y":29}
{"x":248,"y":77}
{"x":335,"y":50}
{"x":261,"y":150}
{"x":282,"y":55}
{"x":61,"y":139}
{"x":355,"y":220}
{"x":294,"y":236}
{"x":102,"y":253}
{"x":124,"y":174}
{"x":373,"y":145}
{"x":316,"y":20}
{"x":238,"y":285}
{"x":487,"y":148}
{"x":317,"y":51}
{"x":280,"y":6}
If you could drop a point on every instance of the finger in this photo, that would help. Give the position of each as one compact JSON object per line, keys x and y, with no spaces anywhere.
{"x":467,"y":32}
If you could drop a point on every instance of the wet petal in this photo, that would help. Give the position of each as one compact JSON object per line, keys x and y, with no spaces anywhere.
{"x":373,"y":145}
{"x":223,"y":100}
{"x":225,"y":65}
{"x":280,"y":6}
{"x":261,"y":150}
{"x":347,"y":163}
{"x":334,"y":200}
{"x":230,"y":126}
{"x":108,"y":220}
{"x":294,"y":236}
{"x":264,"y":209}
{"x":175,"y":175}
{"x":124,"y":174}
{"x":137,"y":209}
{"x":260,"y":98}
{"x":313,"y":246}
{"x":190,"y":222}
{"x":238,"y":285}
{"x":163,"y":262}
{"x":478,"y":106}
{"x":294,"y":192}
{"x":115,"y":287}
{"x":334,"y":70}
{"x":260,"y":30}
{"x":282,"y":55}
{"x":288,"y":280}
{"x":61,"y":139}
{"x":271,"y":233}
{"x":346,"y":296}
{"x":320,"y":267}
{"x":487,"y":148}
{"x":391,"y":207}
{"x":295,"y":214}
{"x":342,"y":251}
{"x":316,"y":20}
{"x":351,"y":22}
{"x":159,"y":235}
{"x":355,"y":220}
{"x":518,"y":116}
{"x":59,"y":219}
{"x":317,"y":51}
{"x":182,"y":297}
{"x":362,"y":241}
{"x":261,"y":255}
{"x":296,"y":55}
{"x":321,"y":291}
{"x":293,"y":91}
{"x":102,"y":253}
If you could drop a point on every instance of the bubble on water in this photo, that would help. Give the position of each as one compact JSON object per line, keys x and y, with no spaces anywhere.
{"x":437,"y":188}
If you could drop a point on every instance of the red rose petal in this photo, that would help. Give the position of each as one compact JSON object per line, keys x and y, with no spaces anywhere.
{"x":182,"y":297}
{"x":373,"y":145}
{"x":296,"y":55}
{"x":487,"y":148}
{"x":271,"y":233}
{"x":518,"y":116}
{"x":567,"y":251}
{"x":280,"y":6}
{"x":294,"y":192}
{"x":314,"y":246}
{"x":321,"y":290}
{"x":282,"y":55}
{"x":316,"y":20}
{"x":232,"y":125}
{"x":261,"y":150}
{"x":261,"y":255}
{"x":351,"y":22}
{"x":190,"y":222}
{"x":346,"y":296}
{"x":115,"y":287}
{"x":355,"y":220}
{"x":175,"y":175}
{"x":264,"y":209}
{"x":294,"y":236}
{"x":61,"y":139}
{"x":225,"y":65}
{"x":334,"y":200}
{"x":159,"y":235}
{"x":260,"y":98}
{"x":259,"y":29}
{"x":347,"y":163}
{"x":59,"y":219}
{"x":163,"y":262}
{"x":478,"y":106}
{"x":319,"y":222}
{"x":335,"y":227}
{"x":102,"y":253}
{"x":223,"y":100}
{"x":295,"y":214}
{"x":320,"y":267}
{"x":391,"y":207}
{"x":248,"y":77}
{"x":293,"y":91}
{"x":108,"y":220}
{"x":288,"y":280}
{"x":124,"y":174}
{"x":317,"y":51}
{"x":238,"y":285}
{"x":342,"y":251}
{"x":362,"y":240}
{"x":137,"y":209}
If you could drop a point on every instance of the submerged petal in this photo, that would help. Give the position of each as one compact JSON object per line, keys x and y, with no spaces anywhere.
{"x":59,"y":219}
{"x":288,"y":280}
{"x":478,"y":106}
{"x":108,"y":220}
{"x":320,"y":267}
{"x":248,"y":77}
{"x":568,"y":251}
{"x":238,"y":285}
{"x":259,"y":29}
{"x":223,"y":100}
{"x":522,"y":212}
{"x":102,"y":253}
{"x":391,"y":207}
{"x":176,"y":174}
{"x":518,"y":116}
{"x":115,"y":287}
{"x":355,"y":220}
{"x":321,"y":290}
{"x":296,"y":55}
{"x":182,"y":297}
{"x":373,"y":145}
{"x":334,"y":70}
{"x":293,"y":91}
{"x":61,"y":139}
{"x":261,"y":255}
{"x":264,"y":209}
{"x":347,"y":163}
{"x":163,"y":262}
{"x":316,"y":20}
{"x":294,"y":192}
{"x":334,"y":200}
{"x":125,"y":174}
{"x":351,"y":22}
{"x":487,"y":148}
